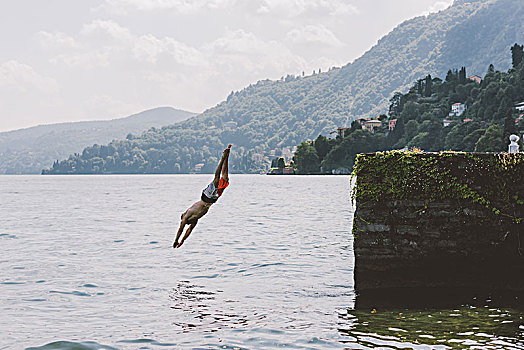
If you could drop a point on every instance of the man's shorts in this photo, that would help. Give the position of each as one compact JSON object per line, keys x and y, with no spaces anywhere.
{"x":211,"y":193}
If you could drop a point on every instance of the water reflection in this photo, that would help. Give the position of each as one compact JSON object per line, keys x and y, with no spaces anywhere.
{"x":435,"y":319}
{"x":206,"y":311}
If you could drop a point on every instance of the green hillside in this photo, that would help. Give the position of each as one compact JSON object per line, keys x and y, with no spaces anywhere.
{"x":455,"y":113}
{"x":27,"y":151}
{"x":271,"y":115}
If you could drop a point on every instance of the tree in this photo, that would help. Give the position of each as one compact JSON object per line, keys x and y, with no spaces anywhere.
{"x":322,"y":146}
{"x":517,"y":54}
{"x":419,"y":87}
{"x":462,"y":75}
{"x":509,"y":127}
{"x":428,"y":91}
{"x":281,"y":164}
{"x":306,"y":159}
{"x":411,"y":129}
{"x":396,"y":104}
{"x":491,"y":141}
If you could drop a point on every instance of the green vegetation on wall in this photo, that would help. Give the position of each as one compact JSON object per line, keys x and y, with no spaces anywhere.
{"x":494,"y":182}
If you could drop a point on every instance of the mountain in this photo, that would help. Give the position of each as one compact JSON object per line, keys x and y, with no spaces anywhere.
{"x":281,"y":114}
{"x":27,"y":151}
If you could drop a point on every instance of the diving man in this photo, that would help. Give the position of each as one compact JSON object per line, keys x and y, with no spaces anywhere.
{"x":209,"y":196}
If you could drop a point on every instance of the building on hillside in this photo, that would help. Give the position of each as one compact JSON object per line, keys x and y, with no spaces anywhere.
{"x":198,"y":167}
{"x":370,"y":125}
{"x":446,"y":122}
{"x":518,"y":119}
{"x":457,"y":109}
{"x":363,"y":121}
{"x":467,"y":120}
{"x":519,"y":106}
{"x":475,"y":78}
{"x":230,"y":124}
{"x":392,"y":123}
{"x":341,"y":131}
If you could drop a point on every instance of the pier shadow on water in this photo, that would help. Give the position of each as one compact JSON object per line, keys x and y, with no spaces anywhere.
{"x":436,"y":318}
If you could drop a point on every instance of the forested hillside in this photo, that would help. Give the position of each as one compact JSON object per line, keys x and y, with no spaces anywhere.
{"x":272,"y":115}
{"x":456,"y":113}
{"x":27,"y":151}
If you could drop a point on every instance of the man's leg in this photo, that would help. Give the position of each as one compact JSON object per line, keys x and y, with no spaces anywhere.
{"x":217,"y":172}
{"x":180,"y":230}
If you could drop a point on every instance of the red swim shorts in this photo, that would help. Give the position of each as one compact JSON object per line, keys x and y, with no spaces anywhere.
{"x":222,"y":184}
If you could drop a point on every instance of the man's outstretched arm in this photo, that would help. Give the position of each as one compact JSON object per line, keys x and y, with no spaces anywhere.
{"x":188,"y":232}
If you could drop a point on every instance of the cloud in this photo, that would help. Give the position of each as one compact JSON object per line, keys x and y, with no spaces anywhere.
{"x":22,"y":78}
{"x":103,"y":105}
{"x":57,"y":40}
{"x":240,"y":50}
{"x":150,"y":48}
{"x":105,"y":29}
{"x":285,"y":8}
{"x":313,"y":34}
{"x":123,"y":7}
{"x":294,"y":8}
{"x":439,"y":6}
{"x":88,"y":59}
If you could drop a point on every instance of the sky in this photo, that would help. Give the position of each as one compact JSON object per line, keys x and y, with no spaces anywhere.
{"x":64,"y":60}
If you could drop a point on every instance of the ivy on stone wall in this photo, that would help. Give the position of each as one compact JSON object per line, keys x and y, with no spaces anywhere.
{"x":494,"y":181}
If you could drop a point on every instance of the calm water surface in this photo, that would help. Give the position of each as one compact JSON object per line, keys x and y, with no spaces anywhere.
{"x":87,"y":263}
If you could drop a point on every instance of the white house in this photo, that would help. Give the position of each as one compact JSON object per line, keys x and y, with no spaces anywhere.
{"x":520,"y":106}
{"x":457,"y":109}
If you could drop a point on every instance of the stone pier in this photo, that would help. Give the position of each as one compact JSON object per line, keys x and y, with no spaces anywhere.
{"x":439,"y":220}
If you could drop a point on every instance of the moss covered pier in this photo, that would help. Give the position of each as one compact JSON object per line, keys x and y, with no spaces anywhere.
{"x":439,"y":220}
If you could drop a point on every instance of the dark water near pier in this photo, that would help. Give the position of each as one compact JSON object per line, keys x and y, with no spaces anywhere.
{"x":87,"y":263}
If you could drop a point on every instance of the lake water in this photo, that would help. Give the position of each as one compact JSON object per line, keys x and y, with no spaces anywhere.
{"x":87,"y":263}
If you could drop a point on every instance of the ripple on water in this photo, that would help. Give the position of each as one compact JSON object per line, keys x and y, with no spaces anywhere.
{"x":75,"y":292}
{"x":69,"y":345}
{"x":146,"y":341}
{"x":200,"y":310}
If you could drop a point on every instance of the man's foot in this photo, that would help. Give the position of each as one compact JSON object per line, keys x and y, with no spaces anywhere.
{"x":228,"y":149}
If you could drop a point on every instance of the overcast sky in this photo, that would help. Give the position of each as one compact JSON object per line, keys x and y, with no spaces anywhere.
{"x":64,"y":60}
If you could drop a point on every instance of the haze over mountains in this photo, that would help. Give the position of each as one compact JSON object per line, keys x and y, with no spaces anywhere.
{"x":277,"y":114}
{"x":27,"y":151}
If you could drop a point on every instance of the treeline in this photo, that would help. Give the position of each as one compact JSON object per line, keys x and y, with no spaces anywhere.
{"x":422,"y":119}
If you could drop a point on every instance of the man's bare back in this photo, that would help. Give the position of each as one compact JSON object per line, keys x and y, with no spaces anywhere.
{"x":209,"y":197}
